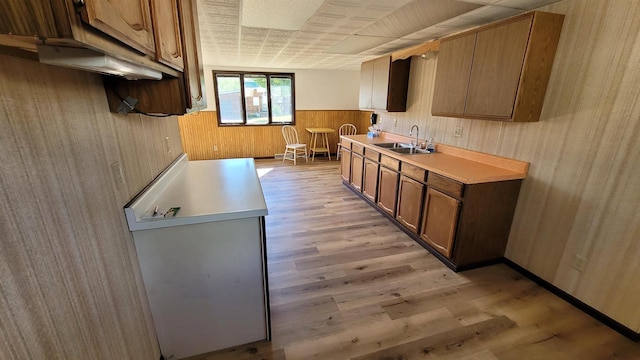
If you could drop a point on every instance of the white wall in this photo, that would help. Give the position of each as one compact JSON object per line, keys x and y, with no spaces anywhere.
{"x":315,"y":89}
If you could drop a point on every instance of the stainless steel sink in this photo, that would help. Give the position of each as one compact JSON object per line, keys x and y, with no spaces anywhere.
{"x":393,"y":145}
{"x":409,"y":151}
{"x":402,"y":148}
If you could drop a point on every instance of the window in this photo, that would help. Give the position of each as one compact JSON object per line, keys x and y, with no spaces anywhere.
{"x":248,"y":98}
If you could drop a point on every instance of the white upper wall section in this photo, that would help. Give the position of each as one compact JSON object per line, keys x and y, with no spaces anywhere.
{"x":315,"y":89}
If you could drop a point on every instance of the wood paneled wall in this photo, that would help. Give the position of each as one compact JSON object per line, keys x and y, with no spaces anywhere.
{"x":582,"y":196}
{"x":70,"y":283}
{"x":200,"y":133}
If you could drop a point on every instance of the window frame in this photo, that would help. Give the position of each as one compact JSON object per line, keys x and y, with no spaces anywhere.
{"x":268,"y":76}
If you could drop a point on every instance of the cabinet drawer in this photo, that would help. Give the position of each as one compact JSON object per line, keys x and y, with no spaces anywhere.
{"x":372,"y":154}
{"x":346,"y":144}
{"x":446,"y":185}
{"x":390,"y":162}
{"x":357,"y":148}
{"x":414,"y":172}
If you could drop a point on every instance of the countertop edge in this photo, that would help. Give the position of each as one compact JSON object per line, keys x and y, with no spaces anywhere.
{"x":507,"y":174}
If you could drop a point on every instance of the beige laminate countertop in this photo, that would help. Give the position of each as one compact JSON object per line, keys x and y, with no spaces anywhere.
{"x":459,"y":164}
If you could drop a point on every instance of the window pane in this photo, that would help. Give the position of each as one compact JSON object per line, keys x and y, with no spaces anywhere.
{"x":255,"y":93}
{"x":281,"y":106}
{"x":230,"y":99}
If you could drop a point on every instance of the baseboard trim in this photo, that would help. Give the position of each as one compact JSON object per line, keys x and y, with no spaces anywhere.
{"x":575,"y":302}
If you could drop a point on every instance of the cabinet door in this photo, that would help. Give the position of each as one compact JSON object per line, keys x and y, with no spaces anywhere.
{"x":410,"y":195}
{"x":439,"y":221}
{"x":380,"y":90}
{"x":345,"y":164}
{"x":357,"y":163}
{"x":370,"y":179}
{"x":388,"y":190}
{"x":126,"y":20}
{"x":497,"y":65}
{"x":366,"y":82}
{"x":166,"y":27}
{"x":193,"y":65}
{"x":452,"y":75}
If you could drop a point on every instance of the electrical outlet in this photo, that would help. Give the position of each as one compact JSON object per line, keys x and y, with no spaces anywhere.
{"x":215,"y":147}
{"x":395,"y":122}
{"x":579,"y":262}
{"x":116,"y":172}
{"x":167,"y":145}
{"x":457,"y":132}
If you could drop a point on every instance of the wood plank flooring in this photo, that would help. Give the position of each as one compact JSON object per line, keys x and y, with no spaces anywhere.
{"x":347,"y":284}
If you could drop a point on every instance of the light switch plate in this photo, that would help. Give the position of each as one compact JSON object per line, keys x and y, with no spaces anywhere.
{"x":116,"y":172}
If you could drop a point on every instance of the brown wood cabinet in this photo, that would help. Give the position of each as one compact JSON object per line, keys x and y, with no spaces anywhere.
{"x":128,"y":21}
{"x":164,"y":38}
{"x":439,"y":221}
{"x":384,"y":84}
{"x":452,"y":75}
{"x":345,"y":164}
{"x":499,"y":71}
{"x":370,"y":179}
{"x":465,"y":225}
{"x":166,"y":27}
{"x":366,"y":84}
{"x":193,"y":65}
{"x":410,"y":194}
{"x":388,"y":190}
{"x":357,"y":165}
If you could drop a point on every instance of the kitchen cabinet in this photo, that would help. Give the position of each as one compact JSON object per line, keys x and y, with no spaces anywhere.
{"x":366,"y":84}
{"x":357,"y":164}
{"x":166,"y":26}
{"x":388,"y":190}
{"x":410,"y":193}
{"x":345,"y":164}
{"x":193,"y":65}
{"x":465,"y":225}
{"x":384,"y":84}
{"x":452,"y":76}
{"x":128,"y":21}
{"x":370,"y":179}
{"x":159,"y":35}
{"x":499,"y":71}
{"x":439,"y":221}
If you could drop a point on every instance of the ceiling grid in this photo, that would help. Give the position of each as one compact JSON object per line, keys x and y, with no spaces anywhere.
{"x":334,"y":34}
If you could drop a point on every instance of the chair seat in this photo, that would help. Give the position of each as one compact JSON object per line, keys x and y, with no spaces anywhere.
{"x":296,"y":146}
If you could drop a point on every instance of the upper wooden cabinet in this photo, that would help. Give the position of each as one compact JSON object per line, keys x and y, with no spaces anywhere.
{"x":166,"y":26}
{"x":126,"y":20}
{"x":366,"y":84}
{"x":452,"y":78}
{"x":383,"y":84}
{"x":157,"y":34}
{"x":193,"y":65}
{"x":499,"y":71}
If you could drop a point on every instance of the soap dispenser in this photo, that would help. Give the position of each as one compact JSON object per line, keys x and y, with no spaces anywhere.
{"x":431,"y":146}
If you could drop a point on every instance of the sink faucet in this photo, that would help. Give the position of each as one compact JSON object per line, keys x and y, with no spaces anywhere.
{"x":417,"y":132}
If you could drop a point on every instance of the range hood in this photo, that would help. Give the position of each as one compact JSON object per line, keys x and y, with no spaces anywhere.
{"x":94,"y":61}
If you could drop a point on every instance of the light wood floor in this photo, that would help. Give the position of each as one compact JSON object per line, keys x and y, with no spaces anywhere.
{"x":347,"y":284}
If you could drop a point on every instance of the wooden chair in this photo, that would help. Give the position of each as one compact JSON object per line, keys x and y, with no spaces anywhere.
{"x":293,"y":146}
{"x":346,"y":129}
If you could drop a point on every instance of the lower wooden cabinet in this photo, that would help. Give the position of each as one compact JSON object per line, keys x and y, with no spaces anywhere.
{"x":464,"y":225}
{"x":439,"y":221}
{"x":345,"y":164}
{"x":370,"y":179}
{"x":388,"y":190}
{"x":357,"y":164}
{"x":410,"y":194}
